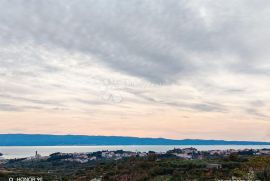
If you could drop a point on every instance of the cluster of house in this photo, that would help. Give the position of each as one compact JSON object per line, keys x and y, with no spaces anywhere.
{"x":240,"y":152}
{"x":2,"y":160}
{"x":101,"y":155}
{"x":193,"y":153}
{"x":185,"y":153}
{"x":37,"y":157}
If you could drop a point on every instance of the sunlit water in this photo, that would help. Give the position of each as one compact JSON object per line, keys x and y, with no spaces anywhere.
{"x":27,"y":151}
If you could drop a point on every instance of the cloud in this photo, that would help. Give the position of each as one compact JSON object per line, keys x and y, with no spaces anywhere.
{"x":158,"y":41}
{"x":34,"y":101}
{"x":13,"y":108}
{"x":256,"y":113}
{"x":8,"y":107}
{"x":143,"y":58}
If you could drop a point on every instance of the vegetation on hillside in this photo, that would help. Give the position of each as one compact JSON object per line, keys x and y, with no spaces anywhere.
{"x":151,"y":167}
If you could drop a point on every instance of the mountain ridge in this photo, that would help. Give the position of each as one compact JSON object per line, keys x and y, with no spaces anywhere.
{"x":86,"y":140}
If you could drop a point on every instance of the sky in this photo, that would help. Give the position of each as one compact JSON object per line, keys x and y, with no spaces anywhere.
{"x":148,"y":68}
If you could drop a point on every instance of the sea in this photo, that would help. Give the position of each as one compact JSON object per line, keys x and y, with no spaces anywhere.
{"x":11,"y":152}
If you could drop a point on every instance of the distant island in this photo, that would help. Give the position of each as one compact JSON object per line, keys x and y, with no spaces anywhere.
{"x":76,"y":140}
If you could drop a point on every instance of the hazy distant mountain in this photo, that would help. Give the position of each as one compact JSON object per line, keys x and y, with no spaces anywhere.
{"x":56,"y":140}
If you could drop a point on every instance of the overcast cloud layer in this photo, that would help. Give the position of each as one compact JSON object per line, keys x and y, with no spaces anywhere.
{"x":128,"y":62}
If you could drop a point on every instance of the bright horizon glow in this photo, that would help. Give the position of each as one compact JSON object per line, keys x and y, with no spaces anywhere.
{"x":179,"y":69}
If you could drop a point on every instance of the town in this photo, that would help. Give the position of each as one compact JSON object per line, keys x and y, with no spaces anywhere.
{"x":185,"y":153}
{"x":175,"y":164}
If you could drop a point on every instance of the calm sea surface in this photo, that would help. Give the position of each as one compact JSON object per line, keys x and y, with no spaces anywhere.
{"x":26,"y":151}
